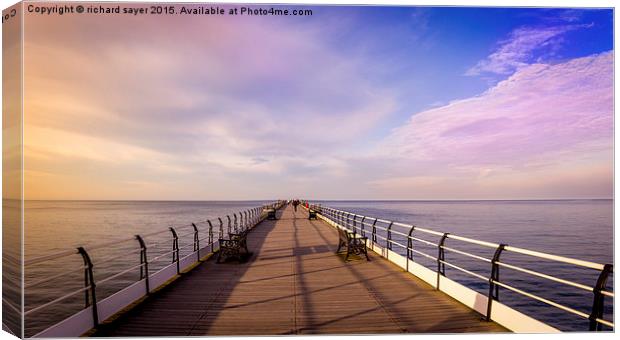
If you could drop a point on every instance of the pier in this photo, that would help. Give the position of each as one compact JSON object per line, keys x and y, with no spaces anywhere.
{"x":294,"y":282}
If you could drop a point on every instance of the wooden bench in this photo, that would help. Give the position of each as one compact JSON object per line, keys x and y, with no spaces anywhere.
{"x":355,"y":244}
{"x":271,"y":214}
{"x":312,"y":214}
{"x":236,"y":246}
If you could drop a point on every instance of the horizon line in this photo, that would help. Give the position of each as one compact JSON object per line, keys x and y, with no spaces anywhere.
{"x":332,"y":200}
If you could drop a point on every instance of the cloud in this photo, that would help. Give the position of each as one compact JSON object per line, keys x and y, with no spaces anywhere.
{"x":521,"y":48}
{"x":570,"y":15}
{"x":187,"y":108}
{"x":548,"y":120}
{"x":253,"y":97}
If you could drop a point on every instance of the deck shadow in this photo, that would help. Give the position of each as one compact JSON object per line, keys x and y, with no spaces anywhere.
{"x":294,"y":283}
{"x":410,"y":304}
{"x":175,"y":309}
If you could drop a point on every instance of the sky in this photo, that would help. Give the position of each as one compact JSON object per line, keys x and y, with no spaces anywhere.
{"x":349,"y":103}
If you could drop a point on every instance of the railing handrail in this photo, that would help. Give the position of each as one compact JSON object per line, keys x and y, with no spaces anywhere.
{"x":599,"y":290}
{"x":547,"y":256}
{"x":354,"y":221}
{"x":255,"y":213}
{"x":73,"y":251}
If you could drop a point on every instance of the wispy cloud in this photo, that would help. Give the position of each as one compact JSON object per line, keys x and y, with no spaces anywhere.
{"x":570,"y":15}
{"x":233,"y":108}
{"x":524,"y":46}
{"x":245,"y":100}
{"x":545,"y":120}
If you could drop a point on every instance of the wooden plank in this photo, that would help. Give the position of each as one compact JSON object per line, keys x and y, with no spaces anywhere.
{"x":294,"y":284}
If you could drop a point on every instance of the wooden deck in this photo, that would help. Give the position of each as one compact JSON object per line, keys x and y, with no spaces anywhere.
{"x":295,"y":284}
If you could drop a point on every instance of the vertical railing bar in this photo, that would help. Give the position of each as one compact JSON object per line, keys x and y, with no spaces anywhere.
{"x":441,"y":268}
{"x":410,"y":246}
{"x":374,"y":232}
{"x":210,"y":234}
{"x":91,"y":281}
{"x":144,"y":262}
{"x":494,"y":288}
{"x":598,"y":304}
{"x":86,"y":281}
{"x":388,"y":241}
{"x":196,"y":242}
{"x":175,"y":249}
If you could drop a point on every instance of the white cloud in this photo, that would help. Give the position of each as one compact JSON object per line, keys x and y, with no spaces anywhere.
{"x":519,"y":49}
{"x":550,"y":119}
{"x":137,"y":104}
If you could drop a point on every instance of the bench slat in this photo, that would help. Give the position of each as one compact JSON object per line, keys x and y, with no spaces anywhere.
{"x":354,"y":243}
{"x":233,"y":246}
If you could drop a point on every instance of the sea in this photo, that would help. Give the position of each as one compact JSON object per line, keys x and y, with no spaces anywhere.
{"x":580,"y":229}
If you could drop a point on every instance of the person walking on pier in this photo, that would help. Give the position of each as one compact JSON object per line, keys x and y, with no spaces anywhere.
{"x":295,"y":204}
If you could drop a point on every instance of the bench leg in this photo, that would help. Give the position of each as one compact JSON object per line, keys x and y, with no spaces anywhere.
{"x":245,"y":247}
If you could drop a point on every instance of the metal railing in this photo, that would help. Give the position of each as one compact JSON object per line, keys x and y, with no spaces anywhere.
{"x":381,"y":232}
{"x":201,"y":239}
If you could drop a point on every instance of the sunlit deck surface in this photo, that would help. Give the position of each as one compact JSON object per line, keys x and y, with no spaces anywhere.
{"x":294,"y":283}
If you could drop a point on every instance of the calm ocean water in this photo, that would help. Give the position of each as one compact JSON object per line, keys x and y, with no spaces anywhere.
{"x":53,"y":226}
{"x":581,"y":229}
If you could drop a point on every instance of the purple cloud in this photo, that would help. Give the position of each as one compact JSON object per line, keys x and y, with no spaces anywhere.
{"x":518,"y":49}
{"x":545,"y":120}
{"x":231,"y":104}
{"x":240,"y":109}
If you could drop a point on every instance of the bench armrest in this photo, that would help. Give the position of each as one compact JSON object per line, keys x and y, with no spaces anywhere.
{"x":354,"y":235}
{"x":232,"y":244}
